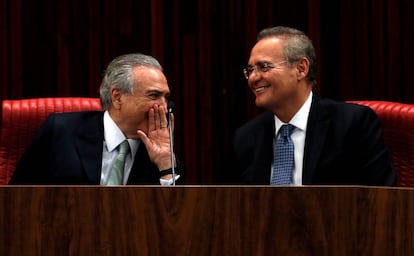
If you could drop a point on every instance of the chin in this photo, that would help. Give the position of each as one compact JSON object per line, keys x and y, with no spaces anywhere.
{"x":260,"y":103}
{"x":264,"y":105}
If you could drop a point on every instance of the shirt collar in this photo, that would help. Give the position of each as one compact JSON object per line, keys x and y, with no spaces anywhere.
{"x":114,"y":136}
{"x":300,"y":119}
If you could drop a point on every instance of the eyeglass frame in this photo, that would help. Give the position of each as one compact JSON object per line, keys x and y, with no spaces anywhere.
{"x":265,"y":67}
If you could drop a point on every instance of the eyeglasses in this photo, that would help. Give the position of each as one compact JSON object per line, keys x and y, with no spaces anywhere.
{"x":261,"y":67}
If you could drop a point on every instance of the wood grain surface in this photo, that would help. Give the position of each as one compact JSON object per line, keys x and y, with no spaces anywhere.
{"x":206,"y":220}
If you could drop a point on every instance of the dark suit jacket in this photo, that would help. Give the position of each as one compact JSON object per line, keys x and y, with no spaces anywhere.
{"x":343,"y":146}
{"x":67,"y":149}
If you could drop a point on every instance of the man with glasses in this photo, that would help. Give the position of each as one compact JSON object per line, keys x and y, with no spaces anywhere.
{"x":303,"y":139}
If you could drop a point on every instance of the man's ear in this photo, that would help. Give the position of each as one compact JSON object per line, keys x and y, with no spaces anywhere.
{"x":116,"y":97}
{"x":302,"y":68}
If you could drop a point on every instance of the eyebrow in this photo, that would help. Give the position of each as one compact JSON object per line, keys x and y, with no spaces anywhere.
{"x":155,"y":91}
{"x":260,"y":63}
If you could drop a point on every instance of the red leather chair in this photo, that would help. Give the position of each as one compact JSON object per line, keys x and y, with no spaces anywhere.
{"x":21,"y":119}
{"x":398,"y":126}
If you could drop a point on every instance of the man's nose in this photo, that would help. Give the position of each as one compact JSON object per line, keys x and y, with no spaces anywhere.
{"x":163,"y":101}
{"x":254,"y":76}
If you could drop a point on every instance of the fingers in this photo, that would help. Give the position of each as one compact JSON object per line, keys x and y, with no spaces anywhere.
{"x":157,"y":138}
{"x":157,"y":118}
{"x":144,"y":138}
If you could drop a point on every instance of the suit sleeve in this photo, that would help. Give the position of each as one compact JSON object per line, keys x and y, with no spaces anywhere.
{"x":33,"y":166}
{"x":375,"y":157}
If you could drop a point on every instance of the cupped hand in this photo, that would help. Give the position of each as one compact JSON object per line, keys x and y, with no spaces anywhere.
{"x":157,"y":140}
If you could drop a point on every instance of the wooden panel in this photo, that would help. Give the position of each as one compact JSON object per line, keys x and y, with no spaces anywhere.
{"x":206,"y":220}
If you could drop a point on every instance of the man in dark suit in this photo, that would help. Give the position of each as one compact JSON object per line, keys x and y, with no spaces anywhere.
{"x":82,"y":147}
{"x":331,"y":143}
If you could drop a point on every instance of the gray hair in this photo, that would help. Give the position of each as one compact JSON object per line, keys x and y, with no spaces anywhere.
{"x":118,"y":74}
{"x":296,"y":46}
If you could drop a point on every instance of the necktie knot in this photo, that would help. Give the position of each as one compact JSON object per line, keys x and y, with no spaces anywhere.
{"x":286,"y":130}
{"x":124,"y":147}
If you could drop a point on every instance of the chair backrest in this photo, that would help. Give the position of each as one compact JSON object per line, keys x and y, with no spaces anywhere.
{"x":398,"y":126}
{"x":21,"y":119}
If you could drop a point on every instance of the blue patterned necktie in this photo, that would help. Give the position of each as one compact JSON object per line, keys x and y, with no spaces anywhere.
{"x":117,"y":172}
{"x":283,"y":157}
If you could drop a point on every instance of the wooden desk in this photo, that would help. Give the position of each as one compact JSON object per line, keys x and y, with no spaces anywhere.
{"x":206,"y":220}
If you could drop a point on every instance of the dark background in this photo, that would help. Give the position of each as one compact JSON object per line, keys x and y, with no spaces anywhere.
{"x":51,"y":48}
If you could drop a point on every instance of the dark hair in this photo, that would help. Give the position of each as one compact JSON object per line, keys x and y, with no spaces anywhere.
{"x":296,"y":46}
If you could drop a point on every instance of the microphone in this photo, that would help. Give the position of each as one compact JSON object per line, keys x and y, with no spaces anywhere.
{"x":170,"y":109}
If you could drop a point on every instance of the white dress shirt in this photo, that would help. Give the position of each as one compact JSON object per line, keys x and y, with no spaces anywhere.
{"x":113,"y":136}
{"x":300,"y":121}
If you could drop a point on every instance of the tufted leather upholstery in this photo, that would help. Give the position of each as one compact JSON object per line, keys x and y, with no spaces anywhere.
{"x":398,"y":126}
{"x":20,"y":120}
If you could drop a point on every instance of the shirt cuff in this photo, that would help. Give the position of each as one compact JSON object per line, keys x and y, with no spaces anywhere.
{"x":169,"y":182}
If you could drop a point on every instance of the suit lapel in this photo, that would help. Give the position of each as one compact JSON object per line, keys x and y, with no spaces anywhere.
{"x":90,"y":145}
{"x":317,"y":129}
{"x":143,"y":171}
{"x":264,"y":151}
